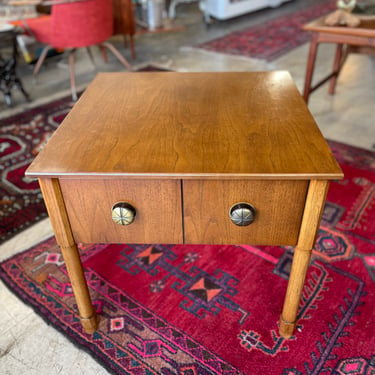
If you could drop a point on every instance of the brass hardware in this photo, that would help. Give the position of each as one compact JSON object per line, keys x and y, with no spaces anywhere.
{"x":123,"y":213}
{"x":242,"y":214}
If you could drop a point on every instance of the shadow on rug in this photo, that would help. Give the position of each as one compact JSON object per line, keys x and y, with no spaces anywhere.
{"x":21,"y":138}
{"x":271,"y":39}
{"x":180,"y":309}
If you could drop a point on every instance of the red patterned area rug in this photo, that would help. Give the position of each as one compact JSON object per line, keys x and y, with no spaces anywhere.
{"x":178,"y":309}
{"x":21,"y":138}
{"x":271,"y":39}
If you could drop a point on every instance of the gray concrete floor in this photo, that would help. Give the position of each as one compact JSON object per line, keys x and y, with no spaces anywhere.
{"x":30,"y":346}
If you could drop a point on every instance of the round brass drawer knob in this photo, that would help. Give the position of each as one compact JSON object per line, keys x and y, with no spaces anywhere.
{"x":242,"y":214}
{"x":123,"y":213}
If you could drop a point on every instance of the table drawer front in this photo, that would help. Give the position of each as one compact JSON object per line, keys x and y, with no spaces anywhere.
{"x":157,"y":203}
{"x":279,"y":206}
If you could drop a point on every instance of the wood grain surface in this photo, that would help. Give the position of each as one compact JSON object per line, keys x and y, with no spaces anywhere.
{"x":172,"y":125}
{"x":279,"y":206}
{"x":157,"y":202}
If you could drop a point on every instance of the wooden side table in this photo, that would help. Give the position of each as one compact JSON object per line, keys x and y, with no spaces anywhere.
{"x":212,"y":158}
{"x":354,"y":39}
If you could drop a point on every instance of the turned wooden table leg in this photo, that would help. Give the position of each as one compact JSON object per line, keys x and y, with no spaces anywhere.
{"x":310,"y":66}
{"x":310,"y":224}
{"x":64,"y":237}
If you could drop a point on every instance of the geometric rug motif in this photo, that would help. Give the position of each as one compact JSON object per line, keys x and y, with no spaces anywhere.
{"x":355,"y":365}
{"x":144,"y":332}
{"x":21,"y":138}
{"x":205,"y":293}
{"x":272,"y":38}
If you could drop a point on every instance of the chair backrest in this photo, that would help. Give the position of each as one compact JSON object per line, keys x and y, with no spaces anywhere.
{"x":81,"y":23}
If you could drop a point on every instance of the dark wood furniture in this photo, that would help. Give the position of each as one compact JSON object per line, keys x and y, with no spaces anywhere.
{"x":359,"y":39}
{"x":187,"y":158}
{"x":124,"y":21}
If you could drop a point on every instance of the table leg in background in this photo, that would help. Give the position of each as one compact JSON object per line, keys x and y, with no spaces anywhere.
{"x":336,"y":69}
{"x":310,"y":66}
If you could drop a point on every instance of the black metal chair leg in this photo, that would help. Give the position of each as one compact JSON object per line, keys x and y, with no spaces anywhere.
{"x":19,"y":85}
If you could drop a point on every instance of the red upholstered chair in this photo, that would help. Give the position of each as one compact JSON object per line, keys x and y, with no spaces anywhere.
{"x":74,"y":24}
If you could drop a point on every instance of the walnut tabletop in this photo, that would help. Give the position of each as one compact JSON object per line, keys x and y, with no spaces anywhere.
{"x":247,"y":125}
{"x":193,"y":158}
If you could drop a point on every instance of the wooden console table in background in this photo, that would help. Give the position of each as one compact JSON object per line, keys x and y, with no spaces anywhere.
{"x":124,"y":21}
{"x":194,"y":158}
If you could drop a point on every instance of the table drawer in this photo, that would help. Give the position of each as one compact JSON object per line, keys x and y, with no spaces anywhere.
{"x":157,"y":203}
{"x":279,"y":206}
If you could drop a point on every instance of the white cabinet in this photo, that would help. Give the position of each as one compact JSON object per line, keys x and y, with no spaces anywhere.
{"x":224,"y":9}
